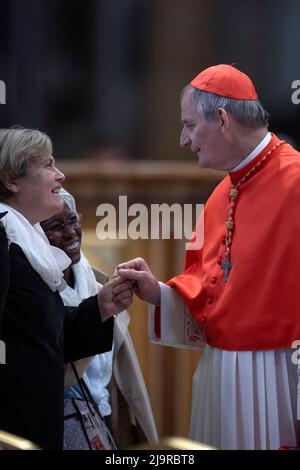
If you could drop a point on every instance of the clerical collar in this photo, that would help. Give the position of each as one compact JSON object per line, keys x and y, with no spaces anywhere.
{"x":254,"y":152}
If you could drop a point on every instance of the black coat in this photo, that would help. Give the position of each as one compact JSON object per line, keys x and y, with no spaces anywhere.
{"x":40,"y":334}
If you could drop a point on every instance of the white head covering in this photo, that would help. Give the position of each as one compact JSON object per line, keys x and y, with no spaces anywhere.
{"x":48,"y":261}
{"x":68,"y":198}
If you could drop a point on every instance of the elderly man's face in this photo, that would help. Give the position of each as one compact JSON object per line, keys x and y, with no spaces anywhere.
{"x":202,"y":137}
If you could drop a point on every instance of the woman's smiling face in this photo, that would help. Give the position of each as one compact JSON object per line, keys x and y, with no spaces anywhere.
{"x":64,"y":230}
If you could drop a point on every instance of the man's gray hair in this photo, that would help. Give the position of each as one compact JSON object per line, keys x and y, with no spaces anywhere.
{"x":19,"y":150}
{"x":248,"y":113}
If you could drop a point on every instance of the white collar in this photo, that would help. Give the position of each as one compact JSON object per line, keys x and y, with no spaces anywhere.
{"x":254,"y":152}
{"x":48,"y":261}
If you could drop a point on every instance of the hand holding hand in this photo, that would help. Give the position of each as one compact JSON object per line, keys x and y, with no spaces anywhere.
{"x":145,"y":285}
{"x":109,"y":303}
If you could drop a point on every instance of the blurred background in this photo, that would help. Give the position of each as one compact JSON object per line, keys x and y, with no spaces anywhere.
{"x":103,"y":78}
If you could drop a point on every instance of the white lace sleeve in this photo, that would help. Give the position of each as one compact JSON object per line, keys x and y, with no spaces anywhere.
{"x":177,"y":326}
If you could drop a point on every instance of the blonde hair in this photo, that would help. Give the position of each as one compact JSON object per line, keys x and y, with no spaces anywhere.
{"x":19,"y":150}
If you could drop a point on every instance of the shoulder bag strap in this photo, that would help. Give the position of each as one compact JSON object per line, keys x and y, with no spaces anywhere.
{"x":86,"y":393}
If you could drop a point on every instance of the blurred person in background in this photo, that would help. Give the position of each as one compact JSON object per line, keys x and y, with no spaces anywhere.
{"x":114,"y":378}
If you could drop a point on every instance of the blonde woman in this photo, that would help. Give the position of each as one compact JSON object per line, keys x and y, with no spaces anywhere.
{"x":39,"y":333}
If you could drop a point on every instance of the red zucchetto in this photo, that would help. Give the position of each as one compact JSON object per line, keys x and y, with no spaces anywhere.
{"x":225,"y":80}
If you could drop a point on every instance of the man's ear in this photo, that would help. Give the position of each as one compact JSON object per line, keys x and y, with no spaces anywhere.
{"x":223,"y":119}
{"x":11,"y":182}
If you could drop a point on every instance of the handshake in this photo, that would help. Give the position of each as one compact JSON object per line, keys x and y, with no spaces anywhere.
{"x":132,"y":277}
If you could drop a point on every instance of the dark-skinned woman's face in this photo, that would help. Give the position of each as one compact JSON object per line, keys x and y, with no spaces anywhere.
{"x":64,"y":230}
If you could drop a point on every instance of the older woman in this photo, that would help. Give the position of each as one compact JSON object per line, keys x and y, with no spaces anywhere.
{"x":40,"y":334}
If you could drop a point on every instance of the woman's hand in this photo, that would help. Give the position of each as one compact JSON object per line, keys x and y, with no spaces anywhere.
{"x":114,"y":296}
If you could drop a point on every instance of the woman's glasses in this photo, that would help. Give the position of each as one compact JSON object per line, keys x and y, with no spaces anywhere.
{"x":58,"y":227}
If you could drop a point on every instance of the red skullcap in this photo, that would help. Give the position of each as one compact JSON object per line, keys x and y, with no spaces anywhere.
{"x":225,"y":80}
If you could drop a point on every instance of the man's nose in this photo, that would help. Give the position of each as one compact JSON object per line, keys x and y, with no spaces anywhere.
{"x":185,"y":141}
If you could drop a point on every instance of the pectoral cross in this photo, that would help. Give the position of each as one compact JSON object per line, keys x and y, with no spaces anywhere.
{"x":226,"y":266}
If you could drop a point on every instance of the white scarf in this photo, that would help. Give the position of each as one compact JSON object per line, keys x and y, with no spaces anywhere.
{"x":85,"y":284}
{"x":48,"y":261}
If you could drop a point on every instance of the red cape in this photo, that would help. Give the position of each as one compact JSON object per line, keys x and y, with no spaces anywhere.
{"x":258,"y":307}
